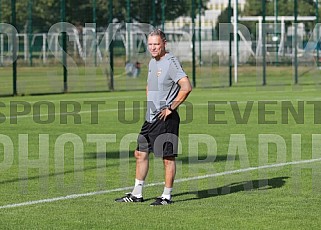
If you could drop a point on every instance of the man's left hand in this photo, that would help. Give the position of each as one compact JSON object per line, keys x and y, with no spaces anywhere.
{"x":164,"y":113}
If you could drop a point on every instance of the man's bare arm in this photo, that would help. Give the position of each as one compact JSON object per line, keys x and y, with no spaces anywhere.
{"x":185,"y":89}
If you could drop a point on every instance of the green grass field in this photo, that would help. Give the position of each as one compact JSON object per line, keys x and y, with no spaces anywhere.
{"x":44,"y":79}
{"x":236,"y":169}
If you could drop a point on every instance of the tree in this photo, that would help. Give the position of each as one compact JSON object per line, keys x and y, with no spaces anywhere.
{"x":285,"y":8}
{"x":78,"y":12}
{"x":223,"y":18}
{"x":141,"y":11}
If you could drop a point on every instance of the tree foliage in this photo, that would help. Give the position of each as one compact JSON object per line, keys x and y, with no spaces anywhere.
{"x":284,"y":8}
{"x":78,"y":12}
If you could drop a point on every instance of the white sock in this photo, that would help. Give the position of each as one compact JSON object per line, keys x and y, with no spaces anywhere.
{"x":167,"y":193}
{"x":138,"y":189}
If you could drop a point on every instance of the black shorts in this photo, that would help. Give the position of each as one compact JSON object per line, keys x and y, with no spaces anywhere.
{"x":160,"y":137}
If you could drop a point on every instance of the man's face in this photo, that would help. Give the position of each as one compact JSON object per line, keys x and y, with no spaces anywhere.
{"x":156,"y":46}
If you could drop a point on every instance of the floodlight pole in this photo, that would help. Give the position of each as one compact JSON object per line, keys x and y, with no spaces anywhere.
{"x":235,"y":41}
{"x":14,"y":46}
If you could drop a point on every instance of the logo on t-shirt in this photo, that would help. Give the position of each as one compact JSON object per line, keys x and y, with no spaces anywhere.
{"x":159,"y":72}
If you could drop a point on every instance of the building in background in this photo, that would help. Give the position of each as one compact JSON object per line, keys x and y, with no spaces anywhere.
{"x":179,"y":35}
{"x":208,"y":18}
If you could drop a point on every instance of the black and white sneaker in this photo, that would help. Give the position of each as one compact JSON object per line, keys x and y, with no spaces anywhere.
{"x":129,"y":198}
{"x":161,"y":201}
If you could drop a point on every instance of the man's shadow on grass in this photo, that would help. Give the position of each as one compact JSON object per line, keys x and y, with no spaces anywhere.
{"x":202,"y":158}
{"x":109,"y":155}
{"x":251,"y":185}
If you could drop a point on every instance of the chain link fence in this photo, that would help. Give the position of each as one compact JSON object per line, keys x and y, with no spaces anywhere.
{"x":101,"y":45}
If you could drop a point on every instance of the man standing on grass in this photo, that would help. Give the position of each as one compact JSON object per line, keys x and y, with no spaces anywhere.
{"x":167,"y":87}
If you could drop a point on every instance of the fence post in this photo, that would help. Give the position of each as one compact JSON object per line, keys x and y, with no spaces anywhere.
{"x":276,"y":14}
{"x":64,"y":43}
{"x":318,"y":30}
{"x":1,"y":46}
{"x":200,"y":31}
{"x":263,"y":42}
{"x":111,"y":46}
{"x":95,"y":32}
{"x":193,"y":43}
{"x":236,"y":46}
{"x":30,"y":30}
{"x":163,"y":14}
{"x":153,"y":21}
{"x":230,"y":44}
{"x":295,"y":41}
{"x":14,"y":47}
{"x":128,"y":33}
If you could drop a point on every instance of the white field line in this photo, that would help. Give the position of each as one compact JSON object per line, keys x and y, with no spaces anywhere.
{"x":68,"y":113}
{"x":80,"y":112}
{"x":105,"y":98}
{"x":74,"y":196}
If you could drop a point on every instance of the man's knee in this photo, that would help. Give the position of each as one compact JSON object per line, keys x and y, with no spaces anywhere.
{"x":140,"y":155}
{"x":168,"y":160}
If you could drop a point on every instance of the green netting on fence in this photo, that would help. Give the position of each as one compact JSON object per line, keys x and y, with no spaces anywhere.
{"x":100,"y":45}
